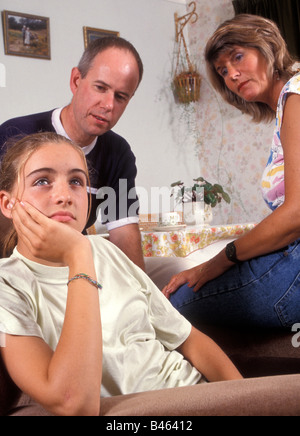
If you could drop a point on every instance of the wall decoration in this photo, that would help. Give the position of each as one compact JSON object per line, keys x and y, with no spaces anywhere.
{"x":187,"y":80}
{"x":90,"y":34}
{"x":26,"y":35}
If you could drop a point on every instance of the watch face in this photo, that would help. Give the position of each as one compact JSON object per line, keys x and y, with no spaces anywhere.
{"x":230,"y":251}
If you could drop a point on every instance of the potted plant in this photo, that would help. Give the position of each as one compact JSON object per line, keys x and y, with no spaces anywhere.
{"x":186,"y":87}
{"x":201,"y":192}
{"x":187,"y":80}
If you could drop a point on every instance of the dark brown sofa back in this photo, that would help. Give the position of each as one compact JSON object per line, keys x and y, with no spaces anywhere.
{"x":9,"y":393}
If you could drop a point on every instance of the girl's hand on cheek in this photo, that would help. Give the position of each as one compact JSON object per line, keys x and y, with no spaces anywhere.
{"x":45,"y":238}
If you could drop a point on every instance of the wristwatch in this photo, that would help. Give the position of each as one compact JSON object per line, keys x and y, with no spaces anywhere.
{"x":231,"y":253}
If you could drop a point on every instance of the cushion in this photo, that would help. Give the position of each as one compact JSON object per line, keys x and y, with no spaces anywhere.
{"x":9,"y":392}
{"x":25,"y":406}
{"x":161,"y":269}
{"x":258,"y":353}
{"x":267,"y":396}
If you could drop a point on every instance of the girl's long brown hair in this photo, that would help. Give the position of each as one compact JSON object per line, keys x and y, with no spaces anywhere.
{"x":18,"y":151}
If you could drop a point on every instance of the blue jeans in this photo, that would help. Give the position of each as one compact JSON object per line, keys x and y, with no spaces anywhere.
{"x":263,"y":292}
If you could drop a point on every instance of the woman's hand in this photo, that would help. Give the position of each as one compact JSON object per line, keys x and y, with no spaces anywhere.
{"x":191,"y":276}
{"x":197,"y":277}
{"x":45,"y":238}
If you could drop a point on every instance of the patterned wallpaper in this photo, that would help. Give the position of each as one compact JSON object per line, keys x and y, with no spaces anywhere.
{"x":232,"y":150}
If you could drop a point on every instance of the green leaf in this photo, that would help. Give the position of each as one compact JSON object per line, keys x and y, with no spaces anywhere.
{"x":179,"y":183}
{"x":208,"y":186}
{"x":218,"y":188}
{"x":226,"y":197}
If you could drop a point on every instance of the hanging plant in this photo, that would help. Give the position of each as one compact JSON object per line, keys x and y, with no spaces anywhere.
{"x":186,"y":83}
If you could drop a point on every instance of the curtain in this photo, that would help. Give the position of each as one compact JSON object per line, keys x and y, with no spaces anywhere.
{"x":286,"y":13}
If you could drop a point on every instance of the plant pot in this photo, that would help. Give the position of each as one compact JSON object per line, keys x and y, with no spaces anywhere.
{"x":186,"y":87}
{"x":195,"y":215}
{"x":208,"y":214}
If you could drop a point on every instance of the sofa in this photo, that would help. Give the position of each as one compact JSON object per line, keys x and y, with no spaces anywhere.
{"x":268,"y":360}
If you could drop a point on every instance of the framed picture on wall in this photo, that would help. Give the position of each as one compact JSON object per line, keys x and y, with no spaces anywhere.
{"x":26,"y":35}
{"x":90,"y":34}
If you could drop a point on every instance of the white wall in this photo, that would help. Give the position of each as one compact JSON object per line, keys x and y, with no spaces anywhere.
{"x":34,"y":85}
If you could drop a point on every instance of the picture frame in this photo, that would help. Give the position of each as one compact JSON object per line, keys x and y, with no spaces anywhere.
{"x":90,"y":34}
{"x":26,"y":35}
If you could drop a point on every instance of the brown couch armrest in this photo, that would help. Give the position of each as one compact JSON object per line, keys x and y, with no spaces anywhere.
{"x":268,"y":396}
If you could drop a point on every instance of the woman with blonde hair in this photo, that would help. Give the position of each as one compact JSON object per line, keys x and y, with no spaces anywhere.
{"x":254,"y":281}
{"x":256,"y":33}
{"x":80,"y":320}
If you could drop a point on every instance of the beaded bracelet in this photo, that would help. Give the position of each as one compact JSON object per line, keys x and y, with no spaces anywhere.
{"x":86,"y":277}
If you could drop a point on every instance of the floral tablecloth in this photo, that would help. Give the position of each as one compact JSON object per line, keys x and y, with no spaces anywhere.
{"x":181,"y":243}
